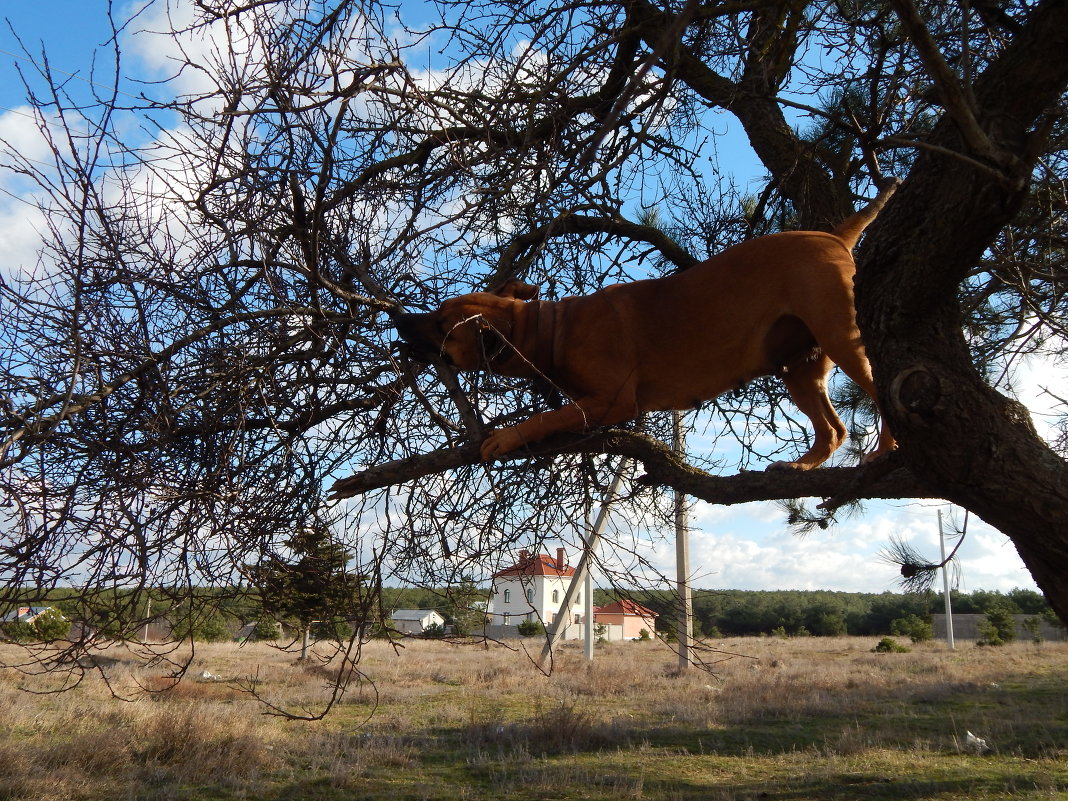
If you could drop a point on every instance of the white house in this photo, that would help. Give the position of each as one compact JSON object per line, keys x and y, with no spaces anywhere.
{"x":533,"y":589}
{"x":416,"y":621}
{"x":26,"y":614}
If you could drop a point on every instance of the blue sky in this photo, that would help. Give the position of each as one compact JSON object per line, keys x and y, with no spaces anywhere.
{"x":744,"y":547}
{"x":69,"y":29}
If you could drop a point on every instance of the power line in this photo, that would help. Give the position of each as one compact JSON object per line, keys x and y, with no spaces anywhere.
{"x":95,"y":84}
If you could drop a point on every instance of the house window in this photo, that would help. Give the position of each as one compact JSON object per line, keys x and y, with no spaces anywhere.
{"x":578,"y":618}
{"x":530,"y":596}
{"x":507,"y":596}
{"x":556,"y":596}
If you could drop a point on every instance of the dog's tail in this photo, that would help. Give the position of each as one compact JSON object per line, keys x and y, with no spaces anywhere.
{"x":850,"y":229}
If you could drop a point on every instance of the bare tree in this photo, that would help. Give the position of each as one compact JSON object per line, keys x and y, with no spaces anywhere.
{"x":204,"y":347}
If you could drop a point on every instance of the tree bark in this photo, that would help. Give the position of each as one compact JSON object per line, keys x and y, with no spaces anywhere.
{"x":819,"y":202}
{"x":884,"y":479}
{"x":960,"y":438}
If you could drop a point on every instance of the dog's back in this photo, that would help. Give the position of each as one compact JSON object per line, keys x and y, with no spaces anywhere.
{"x":780,"y":304}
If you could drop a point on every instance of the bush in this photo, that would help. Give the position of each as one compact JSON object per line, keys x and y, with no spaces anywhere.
{"x":827,"y":624}
{"x":202,"y":626}
{"x":337,"y":630}
{"x":999,"y":626}
{"x":434,"y":630}
{"x":48,"y":626}
{"x":530,"y":628}
{"x":51,"y":625}
{"x":264,"y":630}
{"x":914,"y":627}
{"x":1033,"y":626}
{"x":888,"y":645}
{"x":20,"y":631}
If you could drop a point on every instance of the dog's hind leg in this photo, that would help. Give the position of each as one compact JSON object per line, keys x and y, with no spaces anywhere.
{"x":848,"y":354}
{"x":806,"y":381}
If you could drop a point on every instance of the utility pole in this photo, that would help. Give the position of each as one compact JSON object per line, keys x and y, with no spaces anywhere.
{"x":587,"y":611}
{"x":682,"y":555}
{"x":581,"y":571}
{"x":945,"y":584}
{"x":587,"y":589}
{"x":304,"y":640}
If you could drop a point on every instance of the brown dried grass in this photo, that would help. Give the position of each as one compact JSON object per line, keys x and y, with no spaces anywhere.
{"x":490,"y":709}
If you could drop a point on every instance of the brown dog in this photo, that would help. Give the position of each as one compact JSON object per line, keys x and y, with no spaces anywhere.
{"x":778,"y":305}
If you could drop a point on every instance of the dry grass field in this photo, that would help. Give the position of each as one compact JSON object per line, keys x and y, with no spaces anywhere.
{"x":789,"y":720}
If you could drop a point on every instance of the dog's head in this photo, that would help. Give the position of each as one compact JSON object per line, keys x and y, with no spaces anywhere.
{"x":470,"y":331}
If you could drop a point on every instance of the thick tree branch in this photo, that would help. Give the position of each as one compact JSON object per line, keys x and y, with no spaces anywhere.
{"x":818,"y":200}
{"x":961,"y":438}
{"x":955,"y":97}
{"x":518,"y":254}
{"x":662,"y":468}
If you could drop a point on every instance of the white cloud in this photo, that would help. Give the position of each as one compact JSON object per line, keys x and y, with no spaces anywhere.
{"x":1039,"y":382}
{"x":20,"y":237}
{"x":21,"y":221}
{"x":20,"y":129}
{"x":751,"y":547}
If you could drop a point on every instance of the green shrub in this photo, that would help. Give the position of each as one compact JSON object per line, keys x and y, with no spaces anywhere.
{"x":1033,"y":626}
{"x":48,"y":626}
{"x":20,"y":631}
{"x":914,"y":627}
{"x":51,"y":625}
{"x":888,"y":645}
{"x":204,"y":625}
{"x":337,"y":630}
{"x":999,"y":626}
{"x":434,"y":630}
{"x":265,"y":630}
{"x":530,"y":628}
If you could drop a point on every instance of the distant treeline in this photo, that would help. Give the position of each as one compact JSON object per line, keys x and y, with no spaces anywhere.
{"x":819,"y":612}
{"x":825,"y":613}
{"x":716,"y":612}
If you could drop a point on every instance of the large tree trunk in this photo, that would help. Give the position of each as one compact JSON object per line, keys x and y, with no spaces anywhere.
{"x":963,"y":440}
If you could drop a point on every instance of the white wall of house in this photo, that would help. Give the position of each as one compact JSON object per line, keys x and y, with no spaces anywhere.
{"x":413,"y":621}
{"x":519,"y":598}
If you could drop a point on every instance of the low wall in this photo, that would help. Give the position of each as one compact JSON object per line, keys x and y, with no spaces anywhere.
{"x":966,"y":627}
{"x":574,"y":631}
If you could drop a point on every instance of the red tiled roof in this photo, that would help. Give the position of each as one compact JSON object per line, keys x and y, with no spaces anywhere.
{"x":625,"y":607}
{"x":538,"y":565}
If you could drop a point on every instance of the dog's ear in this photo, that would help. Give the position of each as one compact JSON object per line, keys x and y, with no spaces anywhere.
{"x":514,"y":288}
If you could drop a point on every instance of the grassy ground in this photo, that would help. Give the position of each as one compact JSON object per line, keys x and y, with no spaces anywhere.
{"x":788,"y":719}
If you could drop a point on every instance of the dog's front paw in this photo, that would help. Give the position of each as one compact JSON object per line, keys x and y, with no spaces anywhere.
{"x":499,"y":443}
{"x":777,"y":466}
